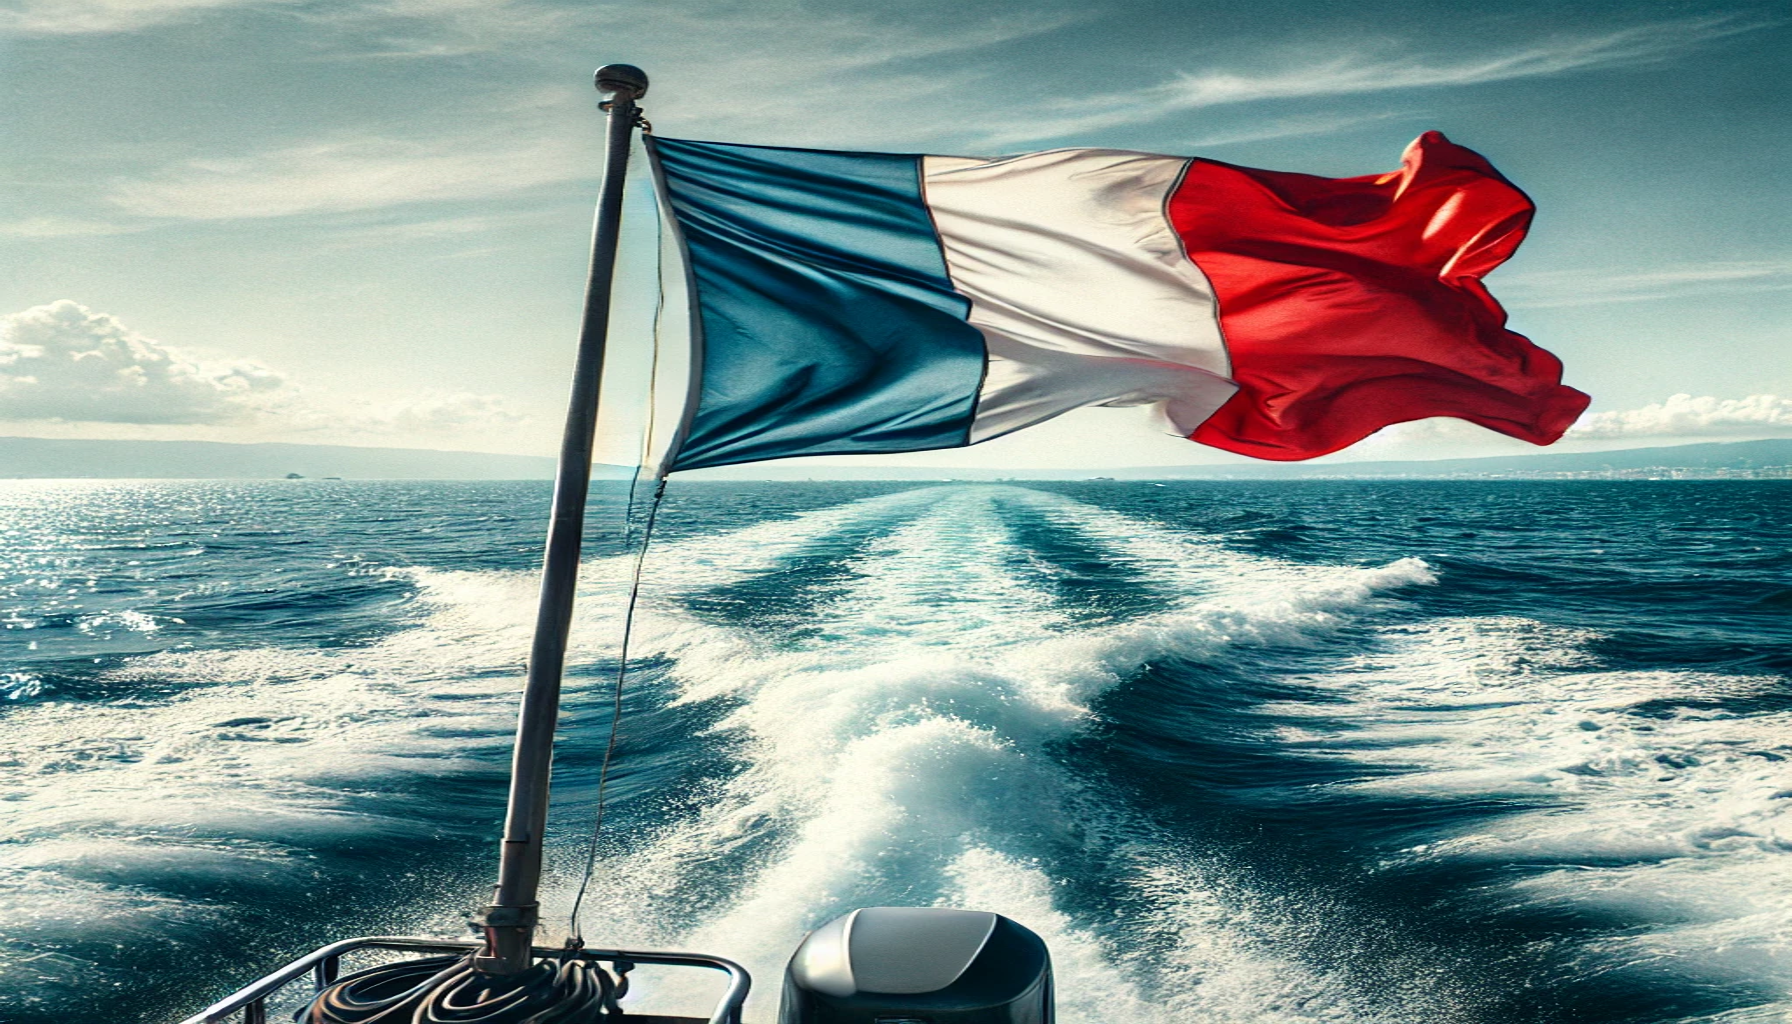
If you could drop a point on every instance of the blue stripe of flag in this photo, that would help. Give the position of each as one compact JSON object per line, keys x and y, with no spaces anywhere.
{"x":829,"y":324}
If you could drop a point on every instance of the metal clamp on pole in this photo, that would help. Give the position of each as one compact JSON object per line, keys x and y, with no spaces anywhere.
{"x":509,"y":922}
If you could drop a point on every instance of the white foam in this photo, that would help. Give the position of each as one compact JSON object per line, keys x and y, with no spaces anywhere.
{"x":268,"y":750}
{"x":20,"y":685}
{"x":896,"y":751}
{"x":1194,"y":955}
{"x":939,"y":653}
{"x":1679,"y":819}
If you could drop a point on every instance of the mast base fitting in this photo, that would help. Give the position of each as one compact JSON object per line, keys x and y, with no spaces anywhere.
{"x":509,"y":939}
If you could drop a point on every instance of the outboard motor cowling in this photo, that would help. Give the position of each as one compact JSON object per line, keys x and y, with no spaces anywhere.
{"x":919,"y":965}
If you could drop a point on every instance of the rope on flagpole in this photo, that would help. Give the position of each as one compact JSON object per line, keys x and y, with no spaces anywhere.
{"x":646,"y":458}
{"x":574,"y":931}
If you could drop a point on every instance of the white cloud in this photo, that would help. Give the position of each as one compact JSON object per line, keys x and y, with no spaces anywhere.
{"x":68,"y":371}
{"x":1540,"y":290}
{"x":1686,"y":416}
{"x":62,"y":361}
{"x":1681,"y":416}
{"x":1328,"y":73}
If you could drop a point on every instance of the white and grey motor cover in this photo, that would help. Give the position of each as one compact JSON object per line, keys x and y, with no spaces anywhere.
{"x":919,"y":965}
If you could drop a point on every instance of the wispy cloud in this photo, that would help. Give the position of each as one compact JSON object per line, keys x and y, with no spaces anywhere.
{"x":792,"y":74}
{"x":1298,"y":126}
{"x":465,"y":19}
{"x":1598,"y":287}
{"x":83,"y":17}
{"x":398,"y":228}
{"x":1684,"y":415}
{"x":834,"y":75}
{"x":450,"y":411}
{"x":346,"y":175}
{"x":422,"y":29}
{"x":1375,"y":69}
{"x":64,"y":227}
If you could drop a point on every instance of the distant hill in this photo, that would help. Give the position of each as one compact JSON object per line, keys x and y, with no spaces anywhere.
{"x":197,"y":460}
{"x":1724,"y":458}
{"x":1746,"y":459}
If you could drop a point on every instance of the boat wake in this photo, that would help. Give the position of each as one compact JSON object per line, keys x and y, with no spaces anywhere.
{"x":1223,"y":785}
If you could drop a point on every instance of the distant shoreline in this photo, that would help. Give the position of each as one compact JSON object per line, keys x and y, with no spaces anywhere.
{"x":23,"y":458}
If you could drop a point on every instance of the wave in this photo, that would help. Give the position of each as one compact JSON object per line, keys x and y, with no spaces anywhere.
{"x":890,"y":696}
{"x":906,"y":745}
{"x":1652,"y":798}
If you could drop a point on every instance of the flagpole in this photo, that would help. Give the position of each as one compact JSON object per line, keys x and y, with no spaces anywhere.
{"x":509,"y":922}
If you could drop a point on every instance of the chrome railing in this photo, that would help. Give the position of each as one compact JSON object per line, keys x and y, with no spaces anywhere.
{"x":325,"y":965}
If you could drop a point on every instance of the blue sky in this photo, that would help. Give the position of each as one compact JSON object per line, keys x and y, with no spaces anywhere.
{"x":366,"y":223}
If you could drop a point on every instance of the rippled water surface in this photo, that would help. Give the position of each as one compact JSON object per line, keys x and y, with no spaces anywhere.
{"x":1305,"y":752}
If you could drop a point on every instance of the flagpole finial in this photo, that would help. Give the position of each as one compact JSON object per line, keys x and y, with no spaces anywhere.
{"x":622,"y":80}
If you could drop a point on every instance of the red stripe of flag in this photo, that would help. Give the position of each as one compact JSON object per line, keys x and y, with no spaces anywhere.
{"x":1349,"y":304}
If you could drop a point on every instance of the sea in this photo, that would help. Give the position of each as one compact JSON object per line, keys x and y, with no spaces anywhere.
{"x":1489,"y":752}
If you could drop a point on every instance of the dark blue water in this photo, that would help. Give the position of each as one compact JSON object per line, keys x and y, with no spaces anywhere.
{"x":1319,"y":751}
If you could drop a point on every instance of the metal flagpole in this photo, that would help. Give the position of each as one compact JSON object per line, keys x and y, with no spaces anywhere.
{"x":509,"y":922}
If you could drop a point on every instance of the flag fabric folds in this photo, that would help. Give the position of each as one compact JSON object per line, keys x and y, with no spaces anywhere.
{"x":871,"y":303}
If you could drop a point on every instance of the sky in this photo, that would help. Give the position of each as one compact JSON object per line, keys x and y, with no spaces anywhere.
{"x":367,"y":223}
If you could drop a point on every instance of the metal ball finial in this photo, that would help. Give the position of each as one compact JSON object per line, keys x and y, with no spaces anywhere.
{"x":622,"y":80}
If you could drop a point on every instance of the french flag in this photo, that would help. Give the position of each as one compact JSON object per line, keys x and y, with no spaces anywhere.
{"x":874,"y":303}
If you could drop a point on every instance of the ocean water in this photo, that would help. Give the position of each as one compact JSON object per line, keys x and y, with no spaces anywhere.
{"x":1243,"y":753}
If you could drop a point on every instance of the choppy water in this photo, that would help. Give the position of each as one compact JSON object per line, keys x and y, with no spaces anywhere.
{"x":1312,"y":752}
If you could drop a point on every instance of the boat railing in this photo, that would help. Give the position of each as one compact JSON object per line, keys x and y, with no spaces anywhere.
{"x":324,"y":966}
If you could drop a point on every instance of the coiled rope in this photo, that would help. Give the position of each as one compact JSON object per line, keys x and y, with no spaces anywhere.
{"x":447,"y":990}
